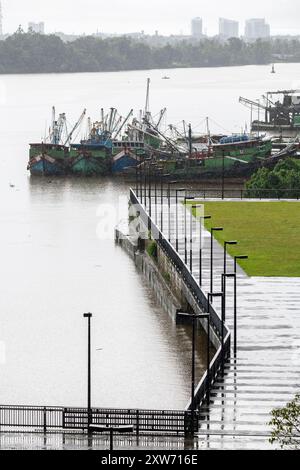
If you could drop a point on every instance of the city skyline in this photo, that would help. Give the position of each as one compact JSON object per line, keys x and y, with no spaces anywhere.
{"x":72,"y":18}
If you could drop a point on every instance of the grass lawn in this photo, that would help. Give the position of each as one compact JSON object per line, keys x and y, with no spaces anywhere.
{"x":269,"y":232}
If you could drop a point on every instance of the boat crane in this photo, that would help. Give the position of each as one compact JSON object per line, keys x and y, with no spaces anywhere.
{"x":69,"y":138}
{"x":162,"y":114}
{"x":166,"y":139}
{"x":251,"y":104}
{"x":123,"y":125}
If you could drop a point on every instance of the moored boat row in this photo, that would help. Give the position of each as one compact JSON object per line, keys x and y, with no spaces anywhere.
{"x":115,"y":145}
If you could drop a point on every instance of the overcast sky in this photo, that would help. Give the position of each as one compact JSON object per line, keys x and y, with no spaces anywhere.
{"x":78,"y":16}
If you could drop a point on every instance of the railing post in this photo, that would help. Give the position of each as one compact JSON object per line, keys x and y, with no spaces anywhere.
{"x":45,"y":420}
{"x":64,"y":411}
{"x":137,"y":423}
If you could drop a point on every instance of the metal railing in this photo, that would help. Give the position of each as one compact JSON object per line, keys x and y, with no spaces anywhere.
{"x":24,"y":417}
{"x":46,"y":419}
{"x":242,"y":193}
{"x":198,"y":295}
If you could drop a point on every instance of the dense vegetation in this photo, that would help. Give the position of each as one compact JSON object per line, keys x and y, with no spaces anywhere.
{"x":35,"y":53}
{"x":282,"y":181}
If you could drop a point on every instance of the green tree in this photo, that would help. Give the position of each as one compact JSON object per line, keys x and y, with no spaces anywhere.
{"x":281,"y":181}
{"x":286,"y":425}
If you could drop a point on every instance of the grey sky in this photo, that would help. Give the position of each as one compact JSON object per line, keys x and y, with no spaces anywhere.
{"x":135,"y":15}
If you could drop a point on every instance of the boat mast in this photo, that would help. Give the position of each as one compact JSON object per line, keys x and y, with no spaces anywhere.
{"x":147,"y":106}
{"x":208,"y":132}
{"x":190,"y":141}
{"x":184,"y":129}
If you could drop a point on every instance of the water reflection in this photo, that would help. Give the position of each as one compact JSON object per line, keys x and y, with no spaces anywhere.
{"x":54,"y":268}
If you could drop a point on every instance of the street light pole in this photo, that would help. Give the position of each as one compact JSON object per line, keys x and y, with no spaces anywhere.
{"x":213,"y":229}
{"x":136,"y":180}
{"x":185,"y":228}
{"x":145,"y":184}
{"x":226,"y":243}
{"x":236,"y":258}
{"x":207,"y":217}
{"x":162,"y":201}
{"x":194,"y":207}
{"x":89,"y":316}
{"x":170,"y":183}
{"x":150,"y":190}
{"x":223,"y":174}
{"x":210,"y":298}
{"x":141,"y":179}
{"x":177,"y":241}
{"x":194,"y":318}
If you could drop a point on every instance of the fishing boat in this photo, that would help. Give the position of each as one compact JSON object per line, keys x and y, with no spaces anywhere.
{"x":94,"y":155}
{"x":48,"y":158}
{"x":233,"y":155}
{"x":51,"y":156}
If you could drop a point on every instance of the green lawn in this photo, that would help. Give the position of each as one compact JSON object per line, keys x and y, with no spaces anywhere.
{"x":269,"y":232}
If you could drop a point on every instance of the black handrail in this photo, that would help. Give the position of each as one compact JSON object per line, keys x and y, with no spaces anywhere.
{"x":198,"y":295}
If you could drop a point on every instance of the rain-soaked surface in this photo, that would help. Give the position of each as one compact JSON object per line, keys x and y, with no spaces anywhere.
{"x":266,"y":371}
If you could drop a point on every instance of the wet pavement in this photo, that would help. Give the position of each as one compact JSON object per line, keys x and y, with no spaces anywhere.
{"x":265,"y":374}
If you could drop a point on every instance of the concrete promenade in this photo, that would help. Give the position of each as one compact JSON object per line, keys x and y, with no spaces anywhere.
{"x":266,"y":372}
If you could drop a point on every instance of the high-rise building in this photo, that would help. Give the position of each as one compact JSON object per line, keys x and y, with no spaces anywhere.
{"x":197,"y":27}
{"x":257,"y":28}
{"x":36,"y":27}
{"x":1,"y":19}
{"x":228,"y":28}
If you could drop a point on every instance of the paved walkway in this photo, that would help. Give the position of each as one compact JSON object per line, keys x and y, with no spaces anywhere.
{"x":266,"y":371}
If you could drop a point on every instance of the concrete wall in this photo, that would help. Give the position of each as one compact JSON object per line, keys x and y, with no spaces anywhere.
{"x":168,"y":287}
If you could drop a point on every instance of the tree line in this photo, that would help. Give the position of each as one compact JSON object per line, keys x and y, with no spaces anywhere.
{"x":36,"y":53}
{"x":281,"y":181}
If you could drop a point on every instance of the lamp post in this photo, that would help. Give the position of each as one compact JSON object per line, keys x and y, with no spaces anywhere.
{"x":177,"y":191}
{"x":89,"y":317}
{"x":136,"y":180}
{"x":162,"y":200}
{"x":195,"y":318}
{"x":202,"y":218}
{"x":194,"y":207}
{"x":145,"y":184}
{"x":236,"y":258}
{"x":186,"y":198}
{"x":150,"y":189}
{"x":223,"y":174}
{"x":226,"y":243}
{"x":210,"y":297}
{"x":141,"y":179}
{"x":155,"y":191}
{"x":213,"y":230}
{"x":170,"y":183}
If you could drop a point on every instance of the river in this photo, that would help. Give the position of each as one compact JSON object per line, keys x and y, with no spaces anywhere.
{"x":55,"y":266}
